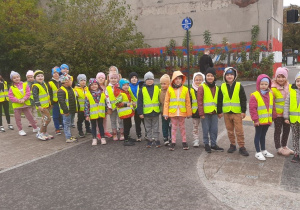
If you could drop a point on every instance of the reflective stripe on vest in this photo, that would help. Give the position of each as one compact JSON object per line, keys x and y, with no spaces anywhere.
{"x":43,"y":95}
{"x":31,"y":95}
{"x":4,"y":94}
{"x":97,"y":110}
{"x":54,"y":90}
{"x":264,"y":115}
{"x":19,"y":95}
{"x":209,"y":102}
{"x":232,"y":104}
{"x":123,"y":111}
{"x":81,"y":96}
{"x":279,"y":100}
{"x":294,"y":112}
{"x":194,"y":101}
{"x":177,"y":103}
{"x":67,"y":99}
{"x":111,"y":96}
{"x":151,"y":105}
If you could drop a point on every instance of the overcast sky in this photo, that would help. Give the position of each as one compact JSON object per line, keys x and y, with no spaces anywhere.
{"x":288,"y":2}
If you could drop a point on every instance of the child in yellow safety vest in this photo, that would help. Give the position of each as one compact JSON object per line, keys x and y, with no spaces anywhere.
{"x":94,"y":109}
{"x":198,"y":79}
{"x":68,"y":105}
{"x":19,"y":94}
{"x":280,"y":89}
{"x":125,"y":107}
{"x":30,"y":82}
{"x":291,"y":115}
{"x":4,"y":102}
{"x":178,"y":107}
{"x":42,"y":102}
{"x":232,"y":103}
{"x":53,"y":86}
{"x":81,"y":90}
{"x":148,"y":109}
{"x":263,"y":112}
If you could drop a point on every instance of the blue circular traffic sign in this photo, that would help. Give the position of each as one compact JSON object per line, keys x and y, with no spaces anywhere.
{"x":187,"y":23}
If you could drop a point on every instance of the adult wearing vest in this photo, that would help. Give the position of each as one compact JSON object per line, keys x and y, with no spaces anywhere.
{"x":232,"y":103}
{"x":207,"y":98}
{"x":263,"y":111}
{"x":148,"y":109}
{"x":4,"y":102}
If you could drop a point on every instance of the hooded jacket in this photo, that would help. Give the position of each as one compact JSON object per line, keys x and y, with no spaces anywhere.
{"x":242,"y":94}
{"x":253,"y":102}
{"x":166,"y":112}
{"x":196,"y":114}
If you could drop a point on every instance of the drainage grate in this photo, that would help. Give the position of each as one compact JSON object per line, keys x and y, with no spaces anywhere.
{"x":251,"y":177}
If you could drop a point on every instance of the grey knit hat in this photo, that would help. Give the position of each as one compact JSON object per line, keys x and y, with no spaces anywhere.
{"x":81,"y":77}
{"x":149,"y":75}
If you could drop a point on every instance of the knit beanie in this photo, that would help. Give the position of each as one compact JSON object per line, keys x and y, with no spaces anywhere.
{"x":29,"y":73}
{"x":13,"y":73}
{"x":122,"y":82}
{"x":265,"y":80}
{"x":64,"y":78}
{"x":64,"y":66}
{"x":113,"y":75}
{"x":115,"y":68}
{"x":282,"y":70}
{"x":165,"y":79}
{"x":149,"y":75}
{"x":132,"y":74}
{"x":210,"y":70}
{"x":100,"y":75}
{"x":297,"y":76}
{"x":93,"y":80}
{"x":55,"y":69}
{"x":81,"y":77}
{"x":37,"y":72}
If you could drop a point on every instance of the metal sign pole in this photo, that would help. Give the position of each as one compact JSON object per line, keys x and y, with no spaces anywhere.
{"x":188,"y":57}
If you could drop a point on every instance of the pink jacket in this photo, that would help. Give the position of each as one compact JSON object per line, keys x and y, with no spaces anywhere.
{"x":11,"y":96}
{"x":253,"y":102}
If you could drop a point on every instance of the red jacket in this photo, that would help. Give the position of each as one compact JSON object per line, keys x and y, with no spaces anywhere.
{"x":120,"y":103}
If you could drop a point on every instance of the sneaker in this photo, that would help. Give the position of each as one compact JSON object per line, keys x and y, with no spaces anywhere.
{"x":196,"y":143}
{"x":36,"y":130}
{"x":243,"y":151}
{"x":41,"y":136}
{"x":185,"y":146}
{"x":122,"y":137}
{"x":157,"y":144}
{"x":291,"y":151}
{"x":103,"y":141}
{"x":61,"y":127}
{"x":10,"y":127}
{"x":267,"y":154}
{"x":22,"y":133}
{"x":139,"y":138}
{"x":73,"y":126}
{"x":131,"y":139}
{"x":149,"y":144}
{"x":115,"y":137}
{"x":98,"y":136}
{"x":2,"y":129}
{"x":172,"y":147}
{"x":295,"y":159}
{"x":128,"y":143}
{"x":217,"y":148}
{"x":29,"y":125}
{"x":48,"y":136}
{"x":260,"y":156}
{"x":70,"y":140}
{"x":207,"y":148}
{"x":81,"y":134}
{"x":231,"y":149}
{"x":57,"y":132}
{"x":107,"y":135}
{"x":94,"y":143}
{"x":88,"y":132}
{"x":74,"y":138}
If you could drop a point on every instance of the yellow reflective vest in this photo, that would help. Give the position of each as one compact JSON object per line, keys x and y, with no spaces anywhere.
{"x":124,"y":111}
{"x":264,"y":114}
{"x":175,"y":103}
{"x":97,"y":110}
{"x":294,"y":112}
{"x":151,"y":105}
{"x":194,"y":101}
{"x":81,"y":93}
{"x":279,"y":100}
{"x":54,"y":90}
{"x":67,"y":98}
{"x":19,"y":95}
{"x":209,"y":102}
{"x":4,"y":94}
{"x":44,"y":96}
{"x":111,"y":96}
{"x":233,"y":104}
{"x":31,"y":95}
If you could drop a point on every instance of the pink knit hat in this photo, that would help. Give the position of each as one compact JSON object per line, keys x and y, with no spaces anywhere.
{"x":29,"y":73}
{"x":100,"y":75}
{"x":112,"y":75}
{"x":282,"y":70}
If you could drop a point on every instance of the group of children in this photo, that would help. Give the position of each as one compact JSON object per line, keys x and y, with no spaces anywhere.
{"x":122,"y":99}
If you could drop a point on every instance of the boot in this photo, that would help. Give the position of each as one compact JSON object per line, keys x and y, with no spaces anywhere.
{"x":122,"y":134}
{"x":115,"y":135}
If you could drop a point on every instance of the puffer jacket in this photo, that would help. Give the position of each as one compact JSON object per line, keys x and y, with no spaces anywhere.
{"x":61,"y":95}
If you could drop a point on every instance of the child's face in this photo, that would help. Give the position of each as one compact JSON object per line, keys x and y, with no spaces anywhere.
{"x":113,"y":80}
{"x":149,"y":82}
{"x":264,"y":85}
{"x":56,"y":76}
{"x":133,"y":80}
{"x":210,"y":78}
{"x":67,"y":83}
{"x":113,"y":70}
{"x":164,"y":85}
{"x":298,"y":83}
{"x":39,"y":78}
{"x":65,"y":70}
{"x":198,"y":80}
{"x":82,"y":83}
{"x":178,"y":81}
{"x":229,"y":78}
{"x":125,"y":87}
{"x":16,"y":79}
{"x":30,"y":78}
{"x":94,"y":86}
{"x":280,"y":79}
{"x":101,"y":80}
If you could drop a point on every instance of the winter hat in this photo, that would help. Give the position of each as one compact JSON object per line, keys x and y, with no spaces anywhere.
{"x":37,"y":72}
{"x":265,"y":80}
{"x":13,"y":73}
{"x":165,"y":79}
{"x":122,"y":82}
{"x":282,"y":70}
{"x":297,"y":76}
{"x":93,"y":80}
{"x":81,"y":77}
{"x":194,"y":76}
{"x":64,"y":66}
{"x":149,"y":76}
{"x":115,"y":68}
{"x":210,"y":70}
{"x":29,"y":73}
{"x":132,"y":74}
{"x":64,"y":78}
{"x":100,"y":75}
{"x":230,"y":71}
{"x":113,"y":75}
{"x":55,"y":69}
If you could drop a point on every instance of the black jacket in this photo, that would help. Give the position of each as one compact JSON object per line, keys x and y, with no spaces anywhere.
{"x":140,"y":105}
{"x":242,"y":95}
{"x":61,"y":95}
{"x":205,"y":62}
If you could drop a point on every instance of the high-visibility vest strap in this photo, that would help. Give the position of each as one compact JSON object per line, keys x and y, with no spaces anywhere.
{"x":209,"y":102}
{"x":177,"y":102}
{"x":264,"y":114}
{"x":151,"y":105}
{"x":231,"y":104}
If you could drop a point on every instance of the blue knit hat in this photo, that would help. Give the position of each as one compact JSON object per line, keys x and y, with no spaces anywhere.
{"x":265,"y":80}
{"x":55,"y":69}
{"x":122,"y":82}
{"x":64,"y":66}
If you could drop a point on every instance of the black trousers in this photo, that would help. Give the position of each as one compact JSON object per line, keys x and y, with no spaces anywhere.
{"x":94,"y":123}
{"x":80,"y":120}
{"x":127,"y":125}
{"x":5,"y":105}
{"x":138,"y":121}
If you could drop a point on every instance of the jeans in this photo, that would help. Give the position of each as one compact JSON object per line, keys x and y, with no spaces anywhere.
{"x":67,"y":125}
{"x":260,"y":137}
{"x":55,"y":115}
{"x":94,"y":123}
{"x":210,"y":126}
